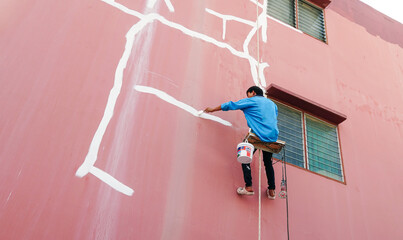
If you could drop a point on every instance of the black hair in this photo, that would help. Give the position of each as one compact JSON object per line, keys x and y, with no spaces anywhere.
{"x":256,"y":89}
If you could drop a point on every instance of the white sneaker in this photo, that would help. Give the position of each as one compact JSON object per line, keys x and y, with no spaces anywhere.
{"x":271,"y":194}
{"x":243,"y":191}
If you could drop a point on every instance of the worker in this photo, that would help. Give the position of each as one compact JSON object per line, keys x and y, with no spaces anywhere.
{"x":261,"y":116}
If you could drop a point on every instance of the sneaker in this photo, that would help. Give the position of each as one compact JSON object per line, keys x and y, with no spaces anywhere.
{"x":271,"y":194}
{"x":243,"y":191}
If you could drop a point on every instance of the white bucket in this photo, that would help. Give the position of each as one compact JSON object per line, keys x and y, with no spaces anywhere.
{"x":245,"y":152}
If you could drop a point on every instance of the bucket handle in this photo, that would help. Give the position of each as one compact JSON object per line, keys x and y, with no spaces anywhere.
{"x":247,"y":137}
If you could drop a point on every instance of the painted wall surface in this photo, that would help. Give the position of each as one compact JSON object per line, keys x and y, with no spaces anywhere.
{"x":100,"y":136}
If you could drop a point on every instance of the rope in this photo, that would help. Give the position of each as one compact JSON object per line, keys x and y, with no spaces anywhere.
{"x":260,"y":194}
{"x":284,"y":172}
{"x":257,"y":40}
{"x":286,"y":196}
{"x":260,"y":151}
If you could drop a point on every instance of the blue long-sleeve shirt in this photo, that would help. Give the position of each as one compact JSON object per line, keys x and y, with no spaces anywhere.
{"x":261,"y":116}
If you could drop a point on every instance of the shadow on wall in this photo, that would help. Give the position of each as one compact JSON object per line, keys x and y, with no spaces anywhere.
{"x":375,"y":22}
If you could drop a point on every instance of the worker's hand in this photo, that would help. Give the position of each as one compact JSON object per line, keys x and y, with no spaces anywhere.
{"x":208,"y":110}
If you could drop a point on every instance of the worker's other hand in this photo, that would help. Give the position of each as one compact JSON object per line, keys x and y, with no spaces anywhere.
{"x":208,"y":110}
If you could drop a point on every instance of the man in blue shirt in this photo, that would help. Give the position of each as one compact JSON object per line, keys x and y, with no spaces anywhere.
{"x":261,"y":116}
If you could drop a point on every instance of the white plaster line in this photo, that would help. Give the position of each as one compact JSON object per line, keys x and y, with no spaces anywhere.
{"x":169,"y":5}
{"x":226,"y":18}
{"x":152,"y":16}
{"x":253,"y":63}
{"x":261,"y":73}
{"x":92,"y":154}
{"x":151,"y":4}
{"x":257,"y":2}
{"x":164,"y":96}
{"x":230,"y":17}
{"x":263,"y":22}
{"x":202,"y":37}
{"x":88,"y":164}
{"x":123,"y":8}
{"x":111,"y":181}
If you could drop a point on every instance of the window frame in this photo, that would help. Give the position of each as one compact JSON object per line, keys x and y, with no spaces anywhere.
{"x":296,"y":18}
{"x":305,"y":113}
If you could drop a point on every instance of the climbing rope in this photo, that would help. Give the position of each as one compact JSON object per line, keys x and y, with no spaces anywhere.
{"x":260,"y":194}
{"x":284,"y":167}
{"x":260,"y":151}
{"x":284,"y":173}
{"x":257,"y":41}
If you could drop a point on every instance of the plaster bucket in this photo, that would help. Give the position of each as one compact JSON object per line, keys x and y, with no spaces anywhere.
{"x":245,"y":152}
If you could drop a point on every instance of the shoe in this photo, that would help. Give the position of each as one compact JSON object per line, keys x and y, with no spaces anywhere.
{"x":271,"y":194}
{"x":243,"y":191}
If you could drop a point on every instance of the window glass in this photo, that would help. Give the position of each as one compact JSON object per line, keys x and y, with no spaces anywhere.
{"x":291,"y":130}
{"x":323,"y":148}
{"x":319,"y":139}
{"x":283,"y":10}
{"x":310,"y":20}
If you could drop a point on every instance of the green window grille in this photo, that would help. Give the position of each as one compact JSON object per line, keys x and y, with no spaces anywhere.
{"x":283,"y":10}
{"x":311,"y":20}
{"x":319,"y":139}
{"x":323,"y":148}
{"x":291,"y":131}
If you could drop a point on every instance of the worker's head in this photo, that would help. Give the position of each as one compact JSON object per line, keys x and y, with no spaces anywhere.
{"x":254,"y":91}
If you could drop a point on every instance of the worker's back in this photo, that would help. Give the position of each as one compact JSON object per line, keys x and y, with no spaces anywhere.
{"x":261,"y":116}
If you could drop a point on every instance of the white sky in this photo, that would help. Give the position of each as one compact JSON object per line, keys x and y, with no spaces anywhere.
{"x":392,"y":8}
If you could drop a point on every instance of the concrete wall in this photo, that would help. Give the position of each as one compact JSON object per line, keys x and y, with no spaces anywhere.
{"x":93,"y":147}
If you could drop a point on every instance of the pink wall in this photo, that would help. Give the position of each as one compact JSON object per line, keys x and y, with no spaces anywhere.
{"x":58,"y":66}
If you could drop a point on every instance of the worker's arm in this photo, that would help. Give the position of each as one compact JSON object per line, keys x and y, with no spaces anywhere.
{"x":208,"y":110}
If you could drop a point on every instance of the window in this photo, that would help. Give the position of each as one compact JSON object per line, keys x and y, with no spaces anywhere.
{"x":300,"y":14}
{"x":291,"y":131}
{"x":310,"y":142}
{"x":323,"y":148}
{"x":283,"y":10}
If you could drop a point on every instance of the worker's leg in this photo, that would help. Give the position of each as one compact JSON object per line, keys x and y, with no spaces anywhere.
{"x":269,"y":169}
{"x":247,"y":176}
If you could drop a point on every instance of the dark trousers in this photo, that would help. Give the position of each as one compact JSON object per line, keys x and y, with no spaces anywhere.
{"x":269,"y":171}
